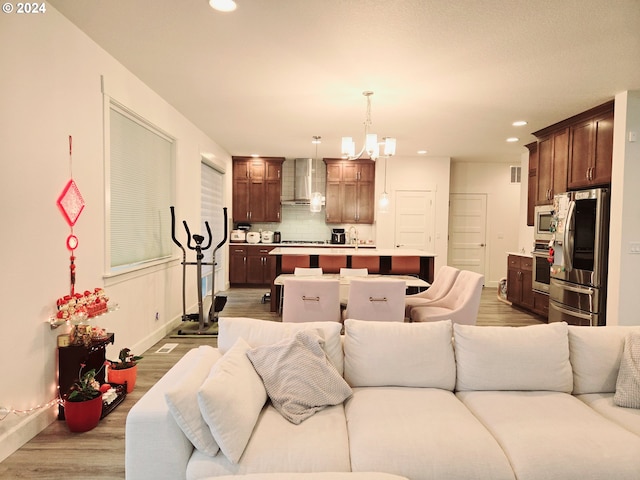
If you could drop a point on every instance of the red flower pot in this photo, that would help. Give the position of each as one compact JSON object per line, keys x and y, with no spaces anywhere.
{"x":128,"y":375}
{"x":83,"y":416}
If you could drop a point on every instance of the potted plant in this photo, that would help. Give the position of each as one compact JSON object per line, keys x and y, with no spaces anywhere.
{"x":83,"y":402}
{"x":124,"y":370}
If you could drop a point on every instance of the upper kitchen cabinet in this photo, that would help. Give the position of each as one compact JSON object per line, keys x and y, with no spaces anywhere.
{"x":532,"y":182}
{"x":257,"y":186}
{"x":571,"y":154}
{"x":349,"y":191}
{"x":553,"y":158}
{"x":591,"y":152}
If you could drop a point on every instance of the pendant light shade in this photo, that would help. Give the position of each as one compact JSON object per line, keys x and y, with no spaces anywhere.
{"x":315,"y":205}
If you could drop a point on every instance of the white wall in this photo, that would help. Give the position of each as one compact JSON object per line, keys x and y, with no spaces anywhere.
{"x":623,"y":301}
{"x":51,"y":88}
{"x":503,"y":210}
{"x":415,"y":173}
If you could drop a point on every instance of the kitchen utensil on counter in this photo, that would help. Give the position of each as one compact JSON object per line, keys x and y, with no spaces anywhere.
{"x":253,"y":237}
{"x":338,"y":236}
{"x":238,"y":236}
{"x":266,"y":236}
{"x":277,"y":237}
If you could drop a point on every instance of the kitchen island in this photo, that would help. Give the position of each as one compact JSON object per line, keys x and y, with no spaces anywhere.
{"x":385,"y":256}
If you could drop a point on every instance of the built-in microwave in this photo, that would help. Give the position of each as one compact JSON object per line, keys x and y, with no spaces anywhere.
{"x":543,"y":223}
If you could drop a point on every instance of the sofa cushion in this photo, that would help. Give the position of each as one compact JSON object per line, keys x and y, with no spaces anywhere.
{"x":420,"y":433}
{"x":264,"y":332}
{"x":553,"y":435}
{"x":400,"y":354}
{"x":628,"y":383}
{"x":182,"y":400}
{"x":534,"y":357}
{"x":595,"y":355}
{"x":602,"y":403}
{"x":319,"y":444}
{"x":311,"y":476}
{"x":298,"y":377}
{"x":231,"y":399}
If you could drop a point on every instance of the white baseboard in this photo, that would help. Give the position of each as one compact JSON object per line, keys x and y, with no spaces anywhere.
{"x":18,"y":430}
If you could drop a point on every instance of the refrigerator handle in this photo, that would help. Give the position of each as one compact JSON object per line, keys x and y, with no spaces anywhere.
{"x":567,"y":250}
{"x":584,"y":316}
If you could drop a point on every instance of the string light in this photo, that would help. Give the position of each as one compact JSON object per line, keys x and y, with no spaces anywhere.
{"x":6,"y":411}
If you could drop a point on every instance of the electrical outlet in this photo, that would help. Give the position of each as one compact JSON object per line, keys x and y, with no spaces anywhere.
{"x":157,"y":315}
{"x":634,"y":247}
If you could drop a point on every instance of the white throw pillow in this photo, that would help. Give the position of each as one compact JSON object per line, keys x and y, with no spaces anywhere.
{"x":535,"y":357}
{"x":628,"y":384}
{"x":298,"y":377}
{"x":182,"y":401}
{"x":231,"y":399}
{"x":264,"y":332}
{"x":399,"y":354}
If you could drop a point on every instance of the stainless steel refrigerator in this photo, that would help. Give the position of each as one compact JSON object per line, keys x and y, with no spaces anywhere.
{"x":578,"y":284}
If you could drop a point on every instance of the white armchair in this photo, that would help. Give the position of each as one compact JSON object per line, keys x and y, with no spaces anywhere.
{"x":460,"y":305}
{"x":376,"y":299}
{"x":441,"y":285}
{"x":311,"y":299}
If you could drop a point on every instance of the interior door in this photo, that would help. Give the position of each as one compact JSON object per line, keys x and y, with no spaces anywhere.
{"x":467,"y":231}
{"x":414,"y":219}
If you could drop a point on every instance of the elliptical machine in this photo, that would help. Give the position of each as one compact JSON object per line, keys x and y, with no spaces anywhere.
{"x":217,"y":301}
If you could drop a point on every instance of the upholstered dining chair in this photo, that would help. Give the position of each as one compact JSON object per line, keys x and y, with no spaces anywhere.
{"x":354,"y":272}
{"x":300,"y":272}
{"x":439,"y":288}
{"x":311,"y":299}
{"x":460,"y":304}
{"x":376,"y":299}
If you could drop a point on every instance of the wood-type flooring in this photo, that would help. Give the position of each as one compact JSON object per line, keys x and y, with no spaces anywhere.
{"x":55,"y":453}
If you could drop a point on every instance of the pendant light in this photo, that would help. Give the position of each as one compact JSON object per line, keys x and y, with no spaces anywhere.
{"x":371,"y":145}
{"x":315,"y":206}
{"x":383,"y":202}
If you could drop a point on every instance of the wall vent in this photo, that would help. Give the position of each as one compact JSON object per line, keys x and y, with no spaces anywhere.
{"x":516,"y":173}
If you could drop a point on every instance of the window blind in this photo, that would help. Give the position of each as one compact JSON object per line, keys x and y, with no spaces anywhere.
{"x":141,"y":186}
{"x":211,"y":211}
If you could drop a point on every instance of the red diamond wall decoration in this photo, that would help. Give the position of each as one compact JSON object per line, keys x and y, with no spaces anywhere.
{"x":71,"y":202}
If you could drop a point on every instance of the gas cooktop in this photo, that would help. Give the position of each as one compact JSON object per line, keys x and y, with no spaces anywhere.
{"x":310,"y":242}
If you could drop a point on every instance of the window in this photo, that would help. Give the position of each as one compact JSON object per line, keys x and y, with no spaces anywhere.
{"x":211,"y":211}
{"x":140,"y":191}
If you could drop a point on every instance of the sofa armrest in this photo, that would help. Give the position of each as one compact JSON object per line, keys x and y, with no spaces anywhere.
{"x":155,"y":446}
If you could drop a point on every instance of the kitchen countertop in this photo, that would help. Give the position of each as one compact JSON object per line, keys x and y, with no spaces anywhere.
{"x":346,"y":250}
{"x":306,"y":244}
{"x":521,"y":254}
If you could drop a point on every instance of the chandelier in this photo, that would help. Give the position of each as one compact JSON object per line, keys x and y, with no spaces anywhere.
{"x":371,"y":145}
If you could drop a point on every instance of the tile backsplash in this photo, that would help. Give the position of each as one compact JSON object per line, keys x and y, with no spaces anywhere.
{"x":298,"y":223}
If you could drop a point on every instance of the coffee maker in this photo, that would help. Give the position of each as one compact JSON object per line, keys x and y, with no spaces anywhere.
{"x":338,"y":237}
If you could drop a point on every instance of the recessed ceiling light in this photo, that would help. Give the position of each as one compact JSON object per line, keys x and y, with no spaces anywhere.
{"x":223,"y":5}
{"x":519,"y":123}
{"x":421,"y":152}
{"x":512,"y":139}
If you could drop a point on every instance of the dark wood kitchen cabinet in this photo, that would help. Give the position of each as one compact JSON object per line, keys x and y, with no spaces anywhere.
{"x":532,"y":184}
{"x":553,"y":158}
{"x":590,"y":158}
{"x":261,"y":267}
{"x":257,"y":187}
{"x":238,"y":264}
{"x":349,"y":191}
{"x":251,"y":265}
{"x":520,"y":281}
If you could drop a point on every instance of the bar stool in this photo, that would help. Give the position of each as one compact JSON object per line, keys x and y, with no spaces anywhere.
{"x":332,"y":263}
{"x":401,"y":265}
{"x":370,"y":262}
{"x":290,"y":262}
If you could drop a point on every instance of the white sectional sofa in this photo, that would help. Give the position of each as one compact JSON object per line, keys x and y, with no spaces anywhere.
{"x":505,"y":403}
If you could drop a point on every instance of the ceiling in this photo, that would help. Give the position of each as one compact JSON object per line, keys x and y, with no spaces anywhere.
{"x":448,"y":77}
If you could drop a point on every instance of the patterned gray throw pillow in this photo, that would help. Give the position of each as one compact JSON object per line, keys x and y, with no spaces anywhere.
{"x":298,"y":377}
{"x":628,"y":383}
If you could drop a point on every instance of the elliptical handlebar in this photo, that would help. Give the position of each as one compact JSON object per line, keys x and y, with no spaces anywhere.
{"x":173,"y":229}
{"x":224,"y":240}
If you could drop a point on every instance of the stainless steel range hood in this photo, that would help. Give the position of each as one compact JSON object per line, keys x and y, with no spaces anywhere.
{"x":303,"y":170}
